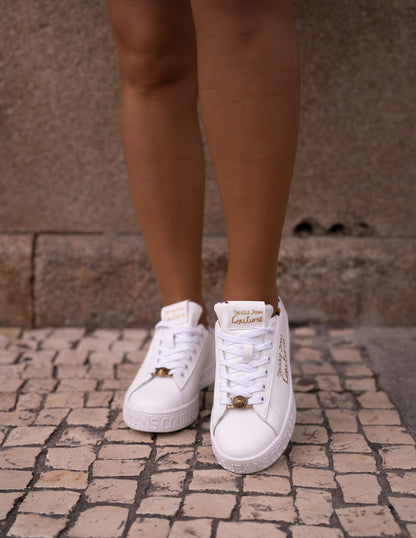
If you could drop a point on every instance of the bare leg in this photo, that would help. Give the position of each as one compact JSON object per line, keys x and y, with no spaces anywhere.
{"x":162,"y":143}
{"x":248,"y":69}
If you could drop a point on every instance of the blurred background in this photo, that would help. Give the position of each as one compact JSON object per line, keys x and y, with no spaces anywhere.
{"x":71,"y":253}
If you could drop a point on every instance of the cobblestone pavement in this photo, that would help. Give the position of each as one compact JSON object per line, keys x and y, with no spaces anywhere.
{"x":70,"y":467}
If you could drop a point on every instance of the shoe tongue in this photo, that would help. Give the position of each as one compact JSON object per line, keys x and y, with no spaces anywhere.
{"x":183,"y":313}
{"x":239,"y":316}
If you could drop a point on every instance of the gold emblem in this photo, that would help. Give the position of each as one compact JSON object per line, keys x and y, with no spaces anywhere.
{"x":162,"y":372}
{"x":239,"y":402}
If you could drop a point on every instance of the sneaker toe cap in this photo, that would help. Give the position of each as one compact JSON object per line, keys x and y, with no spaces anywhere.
{"x":158,"y":395}
{"x":242,"y":434}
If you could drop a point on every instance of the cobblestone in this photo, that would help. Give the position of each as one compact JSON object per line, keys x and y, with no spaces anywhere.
{"x":74,"y":458}
{"x":209,"y":479}
{"x":149,"y":526}
{"x":30,"y":400}
{"x":379,"y":416}
{"x":209,"y":505}
{"x":267,"y":484}
{"x":124,"y":452}
{"x":164,"y":506}
{"x":388,"y":435}
{"x":279,"y":468}
{"x":313,"y":478}
{"x":17,"y":418}
{"x":405,"y":507}
{"x":117,"y":467}
{"x":199,"y":528}
{"x":349,"y":442}
{"x":37,"y":526}
{"x":100,"y":522}
{"x":375,"y":400}
{"x":7,"y":500}
{"x":309,"y":455}
{"x":79,"y":436}
{"x":368,"y":521}
{"x":168,"y":483}
{"x":114,"y":490}
{"x":262,"y":507}
{"x":403,"y":482}
{"x":232,"y":529}
{"x":310,"y":531}
{"x":398,"y":457}
{"x":49,"y":502}
{"x":173,"y":458}
{"x":342,"y":420}
{"x":309,"y":416}
{"x":314,"y":507}
{"x":69,"y":466}
{"x":310,"y":434}
{"x":28,"y":435}
{"x":18,"y":457}
{"x":97,"y":417}
{"x":359,"y":488}
{"x":7,"y":400}
{"x":62,"y":479}
{"x":51,"y":417}
{"x":358,"y":463}
{"x":345,"y":354}
{"x":64,"y":399}
{"x":14,"y":480}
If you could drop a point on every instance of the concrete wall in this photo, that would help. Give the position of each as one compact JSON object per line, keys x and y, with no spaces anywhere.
{"x":70,"y":247}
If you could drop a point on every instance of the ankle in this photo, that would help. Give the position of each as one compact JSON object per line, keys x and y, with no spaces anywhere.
{"x":248,"y":294}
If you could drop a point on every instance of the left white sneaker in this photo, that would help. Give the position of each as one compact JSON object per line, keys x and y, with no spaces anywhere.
{"x":254,"y":410}
{"x":164,"y":395}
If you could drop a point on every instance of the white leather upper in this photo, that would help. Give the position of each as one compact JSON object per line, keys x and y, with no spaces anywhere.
{"x":179,"y":322}
{"x":244,"y":432}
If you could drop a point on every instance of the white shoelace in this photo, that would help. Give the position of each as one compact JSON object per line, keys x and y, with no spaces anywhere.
{"x":175,"y":347}
{"x":244,"y":363}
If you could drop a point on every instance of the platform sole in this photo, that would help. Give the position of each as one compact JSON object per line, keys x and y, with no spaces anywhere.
{"x":169,"y":421}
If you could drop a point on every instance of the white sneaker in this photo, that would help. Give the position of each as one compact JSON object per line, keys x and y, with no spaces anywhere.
{"x":254,"y":410}
{"x":164,"y":395}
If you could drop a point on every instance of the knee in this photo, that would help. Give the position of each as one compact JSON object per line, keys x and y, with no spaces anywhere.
{"x":152,"y":63}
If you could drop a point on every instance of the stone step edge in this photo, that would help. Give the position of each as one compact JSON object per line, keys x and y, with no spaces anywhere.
{"x":106,"y":280}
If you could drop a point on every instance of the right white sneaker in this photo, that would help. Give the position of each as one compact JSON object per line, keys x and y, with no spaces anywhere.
{"x":253,"y":413}
{"x":164,"y":395}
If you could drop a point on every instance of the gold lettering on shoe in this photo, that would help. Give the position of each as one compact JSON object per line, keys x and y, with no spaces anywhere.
{"x":282,"y":367}
{"x":246,"y":317}
{"x":176,"y":313}
{"x":161,"y":372}
{"x":239,"y":402}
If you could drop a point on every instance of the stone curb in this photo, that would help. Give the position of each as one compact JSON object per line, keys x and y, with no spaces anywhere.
{"x":106,"y":280}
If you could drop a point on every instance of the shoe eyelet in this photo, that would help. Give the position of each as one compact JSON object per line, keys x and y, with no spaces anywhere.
{"x":262,"y":399}
{"x":266,"y":372}
{"x":264,"y":388}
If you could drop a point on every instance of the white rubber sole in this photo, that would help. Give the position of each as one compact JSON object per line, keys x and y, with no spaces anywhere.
{"x":169,"y":421}
{"x":266,"y":457}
